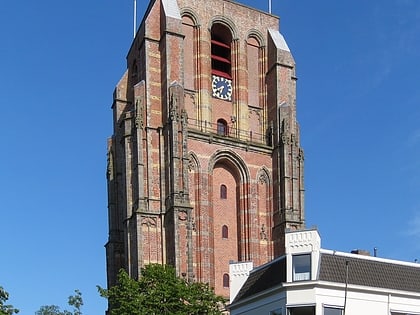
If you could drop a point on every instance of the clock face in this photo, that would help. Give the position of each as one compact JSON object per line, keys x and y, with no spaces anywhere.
{"x":222,"y":88}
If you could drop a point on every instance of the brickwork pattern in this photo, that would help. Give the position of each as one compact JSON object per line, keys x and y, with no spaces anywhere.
{"x":166,"y":160}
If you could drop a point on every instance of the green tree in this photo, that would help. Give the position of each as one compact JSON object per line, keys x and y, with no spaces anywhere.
{"x":6,"y":309}
{"x":159,"y":291}
{"x":51,"y":310}
{"x":74,"y":300}
{"x":77,"y":302}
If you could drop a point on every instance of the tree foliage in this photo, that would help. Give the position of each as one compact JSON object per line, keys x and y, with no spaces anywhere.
{"x":160,"y":291}
{"x":75,"y":301}
{"x":51,"y":310}
{"x":6,"y":309}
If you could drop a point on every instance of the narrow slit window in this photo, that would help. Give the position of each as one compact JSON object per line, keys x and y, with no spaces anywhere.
{"x":226,"y":280}
{"x":223,"y":192}
{"x":225,"y":231}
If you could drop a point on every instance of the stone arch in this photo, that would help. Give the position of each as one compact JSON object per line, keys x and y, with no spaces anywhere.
{"x":190,"y":13}
{"x":193,"y":162}
{"x":264,"y":215}
{"x":233,"y":159}
{"x":227,"y":212}
{"x":263,"y":175}
{"x":238,"y":201}
{"x":190,"y":53}
{"x":226,"y":22}
{"x":257,"y":35}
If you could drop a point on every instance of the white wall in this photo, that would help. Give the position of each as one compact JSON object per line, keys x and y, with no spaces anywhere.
{"x":362,"y":300}
{"x":262,"y":306}
{"x":238,"y":274}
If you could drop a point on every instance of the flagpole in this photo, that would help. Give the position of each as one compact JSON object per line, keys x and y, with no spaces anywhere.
{"x":269,"y":6}
{"x":135,"y":18}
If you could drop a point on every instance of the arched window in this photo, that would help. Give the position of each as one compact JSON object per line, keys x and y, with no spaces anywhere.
{"x":223,"y":192}
{"x":226,"y":280}
{"x":221,"y":39}
{"x":222,"y":127}
{"x":190,"y":52}
{"x":254,"y":72}
{"x":225,"y":231}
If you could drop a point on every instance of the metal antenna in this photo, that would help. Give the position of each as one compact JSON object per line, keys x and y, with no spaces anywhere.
{"x":345,"y":289}
{"x":135,"y":18}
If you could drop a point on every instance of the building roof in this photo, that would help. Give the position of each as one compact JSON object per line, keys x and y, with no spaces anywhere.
{"x":263,"y":278}
{"x":371,"y":272}
{"x":362,"y":270}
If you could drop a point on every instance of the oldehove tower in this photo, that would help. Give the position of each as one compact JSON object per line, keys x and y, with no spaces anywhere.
{"x":205,"y":165}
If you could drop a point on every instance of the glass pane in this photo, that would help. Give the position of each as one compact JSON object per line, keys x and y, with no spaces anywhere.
{"x":304,"y":310}
{"x":302,"y":267}
{"x":332,"y":311}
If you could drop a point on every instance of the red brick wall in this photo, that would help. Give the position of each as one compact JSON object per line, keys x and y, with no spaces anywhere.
{"x":225,"y":212}
{"x":212,"y":253}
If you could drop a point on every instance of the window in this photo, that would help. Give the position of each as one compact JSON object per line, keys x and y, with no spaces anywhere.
{"x":226,"y":280}
{"x":222,"y":127}
{"x":220,"y":51}
{"x":225,"y":231}
{"x":333,"y":311}
{"x":301,"y":267}
{"x":302,"y":310}
{"x":223,"y":192}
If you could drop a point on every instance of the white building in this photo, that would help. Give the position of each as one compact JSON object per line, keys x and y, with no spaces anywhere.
{"x":309,"y":280}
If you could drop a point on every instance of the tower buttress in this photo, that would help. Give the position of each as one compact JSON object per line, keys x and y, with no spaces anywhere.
{"x":287,"y":153}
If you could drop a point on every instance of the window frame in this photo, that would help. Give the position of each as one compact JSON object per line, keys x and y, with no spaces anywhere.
{"x":301,"y":267}
{"x":222,"y":127}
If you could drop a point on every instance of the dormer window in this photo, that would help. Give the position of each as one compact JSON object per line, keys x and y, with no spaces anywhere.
{"x":301,"y":267}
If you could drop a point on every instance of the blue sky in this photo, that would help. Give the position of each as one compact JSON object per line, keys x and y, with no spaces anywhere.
{"x":358,"y":64}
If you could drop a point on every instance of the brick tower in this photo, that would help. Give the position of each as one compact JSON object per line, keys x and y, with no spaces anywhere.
{"x":204,"y":165}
